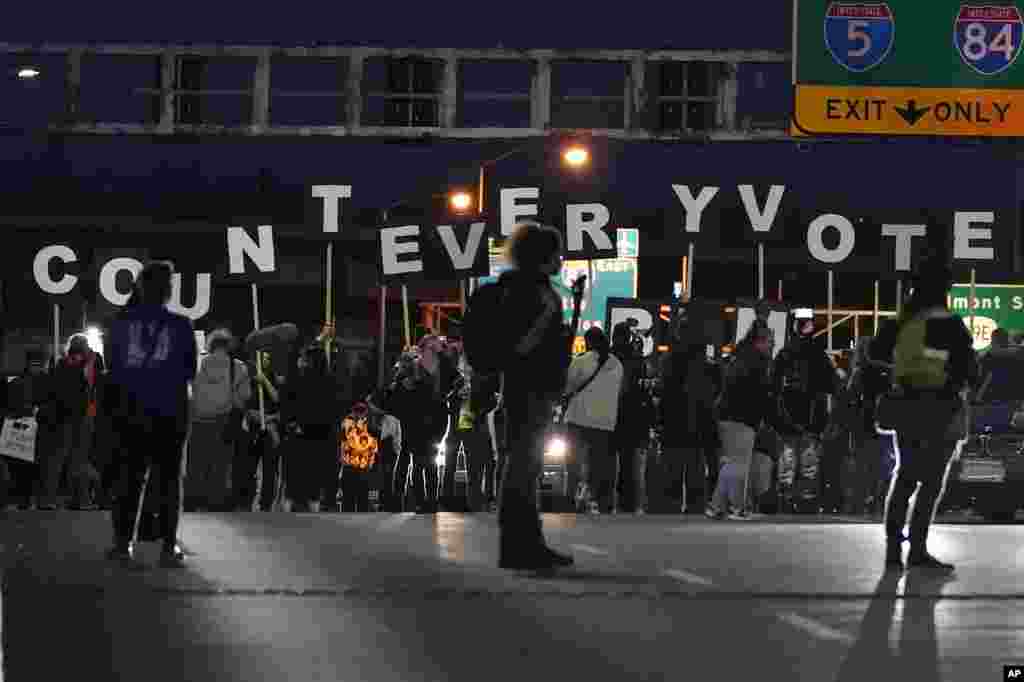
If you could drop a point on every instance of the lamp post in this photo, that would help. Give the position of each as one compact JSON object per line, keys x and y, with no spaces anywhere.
{"x":574,"y":155}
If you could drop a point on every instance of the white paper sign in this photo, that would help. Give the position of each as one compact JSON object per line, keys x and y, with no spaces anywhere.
{"x":18,"y":439}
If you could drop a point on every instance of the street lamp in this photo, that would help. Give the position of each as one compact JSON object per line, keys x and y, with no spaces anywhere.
{"x":460,"y":201}
{"x":576,"y":156}
{"x":28,"y":73}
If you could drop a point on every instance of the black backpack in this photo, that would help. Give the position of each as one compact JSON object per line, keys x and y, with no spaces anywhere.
{"x":485,"y":335}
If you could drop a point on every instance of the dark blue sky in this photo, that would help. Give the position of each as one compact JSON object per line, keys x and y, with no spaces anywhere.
{"x":525,"y":23}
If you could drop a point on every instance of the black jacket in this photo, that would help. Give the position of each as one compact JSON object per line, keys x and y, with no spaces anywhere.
{"x":747,"y":395}
{"x":687,"y":399}
{"x":531,"y":300}
{"x":804,"y":378}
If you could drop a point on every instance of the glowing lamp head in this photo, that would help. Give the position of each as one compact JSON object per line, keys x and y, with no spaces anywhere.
{"x":95,"y":339}
{"x":460,"y":202}
{"x":28,"y":73}
{"x":556,"y":449}
{"x":576,"y":156}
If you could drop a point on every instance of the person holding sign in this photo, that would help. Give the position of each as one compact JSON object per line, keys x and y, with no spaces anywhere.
{"x":152,"y":357}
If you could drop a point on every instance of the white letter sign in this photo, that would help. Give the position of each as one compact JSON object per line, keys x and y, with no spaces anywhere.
{"x":332,"y":195}
{"x":963,"y":234}
{"x":202,"y":304}
{"x":108,"y":279}
{"x":462,"y":259}
{"x":261,"y":254}
{"x":41,"y":269}
{"x":694,"y":205}
{"x":390,"y":250}
{"x":589,"y":218}
{"x":512,"y":211}
{"x":847,"y":238}
{"x":904,"y":234}
{"x":762,"y":221}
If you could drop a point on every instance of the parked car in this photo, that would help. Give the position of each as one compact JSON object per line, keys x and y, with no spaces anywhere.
{"x":989,"y":475}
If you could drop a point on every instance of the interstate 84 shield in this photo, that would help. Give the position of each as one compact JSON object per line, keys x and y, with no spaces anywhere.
{"x":987,"y":37}
{"x":859,"y":36}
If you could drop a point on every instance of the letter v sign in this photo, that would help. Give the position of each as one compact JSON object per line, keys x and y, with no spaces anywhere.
{"x":762,"y":221}
{"x":462,"y":259}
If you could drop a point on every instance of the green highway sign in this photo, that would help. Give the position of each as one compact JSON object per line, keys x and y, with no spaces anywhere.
{"x":995,"y":306}
{"x":908,"y":67}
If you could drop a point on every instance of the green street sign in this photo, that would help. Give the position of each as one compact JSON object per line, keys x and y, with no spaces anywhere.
{"x":995,"y":306}
{"x":909,"y":67}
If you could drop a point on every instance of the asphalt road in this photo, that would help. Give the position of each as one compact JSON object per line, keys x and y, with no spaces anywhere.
{"x":402,"y":597}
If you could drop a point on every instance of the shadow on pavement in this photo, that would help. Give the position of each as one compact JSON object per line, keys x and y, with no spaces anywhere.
{"x":916,"y":656}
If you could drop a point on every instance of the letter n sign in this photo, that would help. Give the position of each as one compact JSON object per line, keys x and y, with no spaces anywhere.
{"x":252,"y":254}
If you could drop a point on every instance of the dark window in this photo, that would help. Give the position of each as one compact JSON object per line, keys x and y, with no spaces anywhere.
{"x":33,"y":103}
{"x":307,"y":91}
{"x":402,"y":92}
{"x":686,"y":98}
{"x":588,"y":94}
{"x":494,"y":94}
{"x":120,"y":89}
{"x":764,"y":97}
{"x":215,"y":91}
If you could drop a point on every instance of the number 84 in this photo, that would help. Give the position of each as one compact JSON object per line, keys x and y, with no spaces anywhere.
{"x":976,"y":48}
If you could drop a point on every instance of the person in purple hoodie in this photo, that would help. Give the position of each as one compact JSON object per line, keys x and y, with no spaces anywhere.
{"x":152,"y":358}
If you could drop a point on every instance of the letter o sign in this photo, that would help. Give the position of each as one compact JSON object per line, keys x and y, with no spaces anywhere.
{"x":816,"y":245}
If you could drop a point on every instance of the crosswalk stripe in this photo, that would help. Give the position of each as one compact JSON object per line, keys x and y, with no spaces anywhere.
{"x":687,"y":577}
{"x":587,"y":549}
{"x":395,"y":521}
{"x":815,"y":629}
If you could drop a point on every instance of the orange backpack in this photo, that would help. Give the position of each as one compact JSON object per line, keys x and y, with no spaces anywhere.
{"x":358,"y":445}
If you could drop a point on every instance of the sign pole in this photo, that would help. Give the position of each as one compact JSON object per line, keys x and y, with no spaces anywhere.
{"x":689,"y":271}
{"x":328,"y":295}
{"x":875,"y":311}
{"x":780,"y":291}
{"x":56,"y":332}
{"x":899,"y":296}
{"x":381,"y":366}
{"x":760,"y":271}
{"x":259,"y":354}
{"x":831,"y":283}
{"x":405,"y":316}
{"x":974,"y":294}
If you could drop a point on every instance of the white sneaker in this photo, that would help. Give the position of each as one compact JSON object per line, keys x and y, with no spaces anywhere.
{"x":593,"y":509}
{"x":739,"y":516}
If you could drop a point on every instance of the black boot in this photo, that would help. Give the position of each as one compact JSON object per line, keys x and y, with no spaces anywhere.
{"x":893,"y":555}
{"x":923,"y":560}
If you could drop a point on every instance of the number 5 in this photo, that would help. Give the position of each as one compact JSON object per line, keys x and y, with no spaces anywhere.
{"x":856,"y":32}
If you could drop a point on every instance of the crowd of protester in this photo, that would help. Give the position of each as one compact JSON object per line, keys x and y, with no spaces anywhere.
{"x":682,"y":432}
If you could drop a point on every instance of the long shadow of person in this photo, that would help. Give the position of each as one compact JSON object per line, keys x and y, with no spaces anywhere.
{"x":917,"y":655}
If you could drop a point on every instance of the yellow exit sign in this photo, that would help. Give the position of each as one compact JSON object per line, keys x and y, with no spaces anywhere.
{"x":838,"y":110}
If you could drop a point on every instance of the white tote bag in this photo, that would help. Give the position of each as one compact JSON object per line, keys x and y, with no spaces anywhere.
{"x":18,"y":439}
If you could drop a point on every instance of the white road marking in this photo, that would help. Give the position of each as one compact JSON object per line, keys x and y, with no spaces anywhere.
{"x":587,"y":549}
{"x":687,"y":577}
{"x":816,"y":629}
{"x":393,"y":522}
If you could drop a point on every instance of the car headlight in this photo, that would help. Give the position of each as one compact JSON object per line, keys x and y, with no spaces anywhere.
{"x":555,"y":449}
